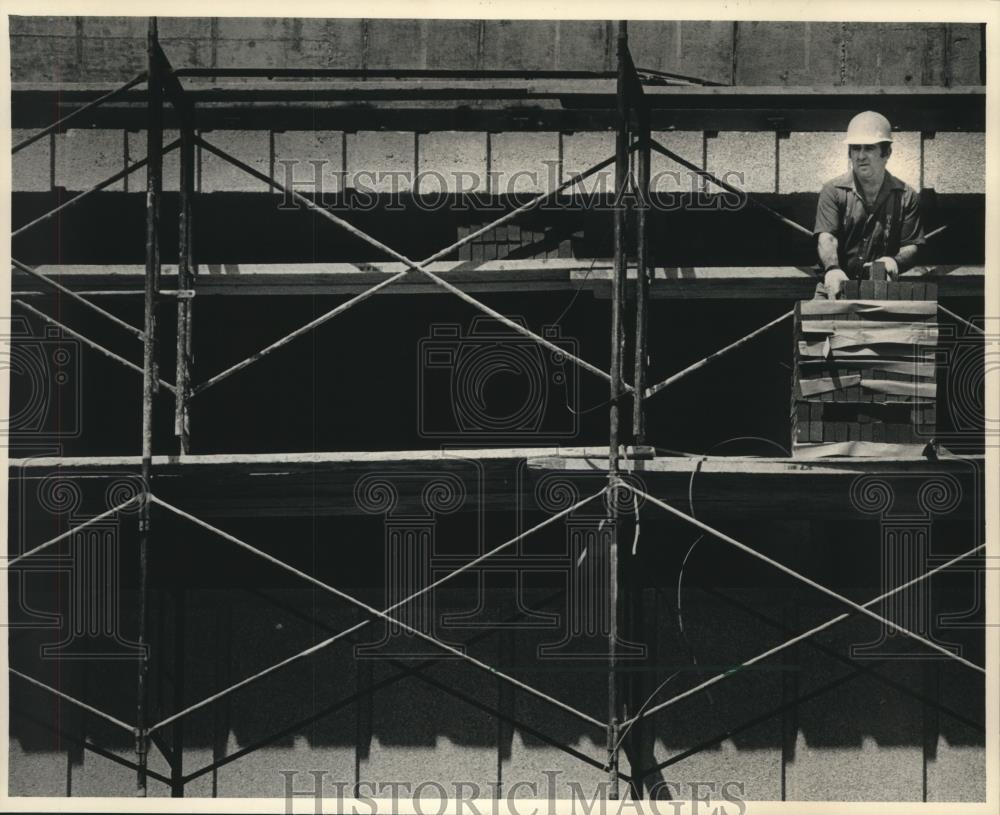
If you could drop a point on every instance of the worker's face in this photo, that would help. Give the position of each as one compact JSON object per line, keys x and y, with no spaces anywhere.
{"x":867,"y":160}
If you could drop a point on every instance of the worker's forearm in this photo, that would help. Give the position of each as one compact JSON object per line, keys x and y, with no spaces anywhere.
{"x":826,"y":248}
{"x":907,"y":257}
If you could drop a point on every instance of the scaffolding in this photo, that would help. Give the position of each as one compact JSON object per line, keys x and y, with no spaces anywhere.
{"x":625,"y":709}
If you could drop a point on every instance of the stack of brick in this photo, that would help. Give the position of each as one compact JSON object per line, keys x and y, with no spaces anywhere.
{"x":864,"y":369}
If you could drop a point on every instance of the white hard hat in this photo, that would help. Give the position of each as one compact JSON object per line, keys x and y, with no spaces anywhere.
{"x":868,"y":128}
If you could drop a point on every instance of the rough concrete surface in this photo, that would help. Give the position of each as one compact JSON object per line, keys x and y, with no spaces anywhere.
{"x":745,"y":160}
{"x":524,"y":162}
{"x":313,"y":160}
{"x":451,"y":161}
{"x":380,"y":161}
{"x":955,"y":162}
{"x":251,"y":147}
{"x":86,"y":157}
{"x":31,"y":169}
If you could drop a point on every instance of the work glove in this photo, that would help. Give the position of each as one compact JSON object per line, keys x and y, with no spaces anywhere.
{"x":834,"y":280}
{"x":891,"y":267}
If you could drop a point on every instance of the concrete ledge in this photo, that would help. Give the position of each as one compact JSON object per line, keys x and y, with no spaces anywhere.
{"x":524,"y":162}
{"x":31,"y":168}
{"x":380,"y":162}
{"x":313,"y":161}
{"x":955,"y":162}
{"x":87,"y":157}
{"x":250,"y":147}
{"x":451,"y":161}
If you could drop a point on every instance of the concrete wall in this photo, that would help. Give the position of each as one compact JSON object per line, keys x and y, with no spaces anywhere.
{"x":859,"y":737}
{"x":517,"y":162}
{"x":76,"y":49}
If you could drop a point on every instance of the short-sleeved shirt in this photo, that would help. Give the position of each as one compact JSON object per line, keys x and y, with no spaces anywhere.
{"x":864,"y":235}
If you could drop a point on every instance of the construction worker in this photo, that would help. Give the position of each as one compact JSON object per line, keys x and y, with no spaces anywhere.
{"x":866,"y":214}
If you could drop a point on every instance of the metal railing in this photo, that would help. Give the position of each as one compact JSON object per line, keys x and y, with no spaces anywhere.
{"x":632,"y":137}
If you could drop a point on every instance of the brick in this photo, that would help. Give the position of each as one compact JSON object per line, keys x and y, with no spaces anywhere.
{"x":86,"y":157}
{"x":809,"y":160}
{"x":380,"y":161}
{"x":582,"y":151}
{"x":451,"y":162}
{"x":136,"y":182}
{"x":305,"y":147}
{"x":667,"y":175}
{"x":250,"y":147}
{"x":31,"y":169}
{"x":747,"y":153}
{"x":524,"y":162}
{"x":955,"y":162}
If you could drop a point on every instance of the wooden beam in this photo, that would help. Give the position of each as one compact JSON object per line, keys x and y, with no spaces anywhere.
{"x":768,"y":282}
{"x":324,"y":484}
{"x":514,"y":104}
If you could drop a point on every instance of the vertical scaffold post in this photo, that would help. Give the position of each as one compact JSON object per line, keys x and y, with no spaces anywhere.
{"x":177,"y":741}
{"x":184,"y":281}
{"x":641,"y":278}
{"x":621,"y":180}
{"x":154,"y":154}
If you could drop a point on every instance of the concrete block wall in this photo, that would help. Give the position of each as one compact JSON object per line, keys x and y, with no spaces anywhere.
{"x":859,"y":740}
{"x":75,"y":49}
{"x":520,"y":162}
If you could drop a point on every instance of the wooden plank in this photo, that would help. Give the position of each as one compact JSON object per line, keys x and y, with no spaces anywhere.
{"x":499,"y":275}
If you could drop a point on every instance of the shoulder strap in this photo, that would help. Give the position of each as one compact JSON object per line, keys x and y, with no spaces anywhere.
{"x":894,"y":223}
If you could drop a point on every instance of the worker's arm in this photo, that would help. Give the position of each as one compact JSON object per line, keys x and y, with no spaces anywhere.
{"x":905,"y":259}
{"x":826,"y":230}
{"x":826,"y":248}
